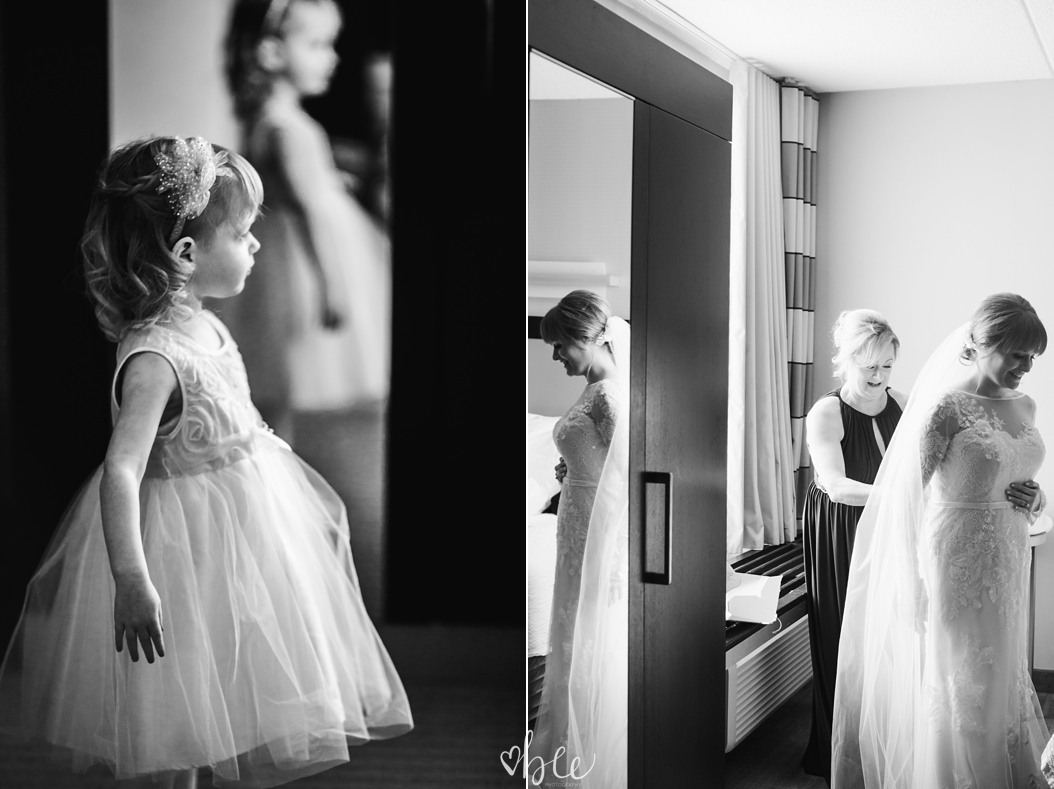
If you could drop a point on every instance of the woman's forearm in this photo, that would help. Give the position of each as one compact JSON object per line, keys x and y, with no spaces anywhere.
{"x":848,"y":491}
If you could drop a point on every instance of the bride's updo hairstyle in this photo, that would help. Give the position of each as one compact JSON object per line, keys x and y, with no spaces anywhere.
{"x":581,"y":316}
{"x":1004,"y":322}
{"x":858,"y":337}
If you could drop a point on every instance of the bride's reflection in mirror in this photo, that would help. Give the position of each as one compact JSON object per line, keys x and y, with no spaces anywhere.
{"x":578,"y":425}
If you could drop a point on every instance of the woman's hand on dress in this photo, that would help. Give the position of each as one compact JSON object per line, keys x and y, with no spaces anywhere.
{"x":561,"y":470}
{"x":922,"y":609}
{"x":137,"y":618}
{"x":1023,"y":495}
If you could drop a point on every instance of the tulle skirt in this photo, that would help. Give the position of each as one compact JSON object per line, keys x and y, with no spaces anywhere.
{"x":271,"y":668}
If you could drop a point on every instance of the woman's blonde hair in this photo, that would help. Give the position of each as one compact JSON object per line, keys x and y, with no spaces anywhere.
{"x":133,"y":277}
{"x":1005,"y":322}
{"x":859,"y":335}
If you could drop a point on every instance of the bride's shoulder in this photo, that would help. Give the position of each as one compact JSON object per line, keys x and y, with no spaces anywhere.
{"x":609,"y":390}
{"x":953,"y":398}
{"x":954,"y":405}
{"x":1027,"y":404}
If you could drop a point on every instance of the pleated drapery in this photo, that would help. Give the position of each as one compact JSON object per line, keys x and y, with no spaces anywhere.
{"x":799,"y":111}
{"x":760,"y":447}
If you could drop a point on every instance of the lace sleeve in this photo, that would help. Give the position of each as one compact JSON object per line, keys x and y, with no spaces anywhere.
{"x":943,"y":423}
{"x":607,"y":406}
{"x":1041,"y":500}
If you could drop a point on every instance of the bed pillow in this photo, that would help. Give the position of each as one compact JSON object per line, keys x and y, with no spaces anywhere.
{"x":542,"y":457}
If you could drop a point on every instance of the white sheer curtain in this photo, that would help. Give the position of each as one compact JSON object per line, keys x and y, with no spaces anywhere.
{"x":760,"y":471}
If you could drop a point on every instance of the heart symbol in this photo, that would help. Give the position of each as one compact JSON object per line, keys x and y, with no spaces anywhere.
{"x":509,"y":754}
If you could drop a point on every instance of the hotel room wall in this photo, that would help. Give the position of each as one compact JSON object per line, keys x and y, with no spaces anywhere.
{"x":580,"y":170}
{"x":929,"y":200}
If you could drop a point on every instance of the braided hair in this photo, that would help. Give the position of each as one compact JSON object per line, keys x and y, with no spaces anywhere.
{"x":132,"y":275}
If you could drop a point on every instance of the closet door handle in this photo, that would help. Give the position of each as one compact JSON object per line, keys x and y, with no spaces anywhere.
{"x":651,"y":508}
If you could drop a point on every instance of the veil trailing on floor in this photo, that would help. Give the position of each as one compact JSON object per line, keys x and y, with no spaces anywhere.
{"x":879,"y":707}
{"x":597,"y":672}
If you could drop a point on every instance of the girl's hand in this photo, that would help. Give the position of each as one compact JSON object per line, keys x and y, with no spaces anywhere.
{"x":137,"y":618}
{"x":561,"y":470}
{"x":334,"y":310}
{"x":1023,"y":495}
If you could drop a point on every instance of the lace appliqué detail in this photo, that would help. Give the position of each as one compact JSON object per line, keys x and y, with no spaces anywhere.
{"x":583,"y":436}
{"x":974,"y":557}
{"x":978,"y":554}
{"x":958,"y":699}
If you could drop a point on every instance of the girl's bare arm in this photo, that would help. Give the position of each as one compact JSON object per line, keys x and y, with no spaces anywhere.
{"x":148,"y":383}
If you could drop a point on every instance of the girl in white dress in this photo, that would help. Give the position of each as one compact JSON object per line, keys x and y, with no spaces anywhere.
{"x":201,"y":540}
{"x":933,"y":688}
{"x":313,"y":324}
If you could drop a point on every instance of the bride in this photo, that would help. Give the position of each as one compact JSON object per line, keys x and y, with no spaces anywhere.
{"x":582,"y":719}
{"x":933,"y":688}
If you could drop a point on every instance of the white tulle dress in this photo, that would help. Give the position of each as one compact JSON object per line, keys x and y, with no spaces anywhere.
{"x":272,"y":667}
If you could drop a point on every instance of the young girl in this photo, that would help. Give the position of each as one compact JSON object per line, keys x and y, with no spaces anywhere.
{"x":313,"y":325}
{"x":202,"y":540}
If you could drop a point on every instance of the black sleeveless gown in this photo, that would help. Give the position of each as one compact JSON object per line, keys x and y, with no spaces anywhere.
{"x":829,"y":530}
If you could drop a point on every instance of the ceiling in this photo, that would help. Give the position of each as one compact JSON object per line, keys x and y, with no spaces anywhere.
{"x":842,"y":45}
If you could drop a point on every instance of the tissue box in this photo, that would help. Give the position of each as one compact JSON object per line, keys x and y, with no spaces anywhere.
{"x":753,"y":599}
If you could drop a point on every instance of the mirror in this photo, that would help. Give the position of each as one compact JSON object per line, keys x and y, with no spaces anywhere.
{"x":579,"y":211}
{"x":323,"y":390}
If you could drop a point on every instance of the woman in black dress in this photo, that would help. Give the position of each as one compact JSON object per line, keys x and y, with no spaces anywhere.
{"x":848,"y":430}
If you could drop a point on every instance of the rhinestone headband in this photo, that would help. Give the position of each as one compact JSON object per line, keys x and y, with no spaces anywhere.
{"x":187,"y":174}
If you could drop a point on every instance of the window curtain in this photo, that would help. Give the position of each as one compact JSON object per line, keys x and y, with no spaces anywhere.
{"x":799,"y":111}
{"x":761,"y":447}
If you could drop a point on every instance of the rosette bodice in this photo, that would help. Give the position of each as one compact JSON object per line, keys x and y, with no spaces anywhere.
{"x":217,"y":424}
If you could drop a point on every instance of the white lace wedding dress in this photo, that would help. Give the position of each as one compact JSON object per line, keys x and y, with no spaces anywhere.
{"x":582,"y":723}
{"x":985,"y":726}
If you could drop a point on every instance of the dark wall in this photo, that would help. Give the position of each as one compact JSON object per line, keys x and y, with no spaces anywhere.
{"x":56,"y":365}
{"x":456,"y":531}
{"x":368,"y":28}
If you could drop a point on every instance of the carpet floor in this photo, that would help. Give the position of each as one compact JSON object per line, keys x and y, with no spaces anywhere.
{"x":770,"y":757}
{"x":459,"y":735}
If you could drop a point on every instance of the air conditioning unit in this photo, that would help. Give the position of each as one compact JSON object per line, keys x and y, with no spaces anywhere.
{"x":764,"y":671}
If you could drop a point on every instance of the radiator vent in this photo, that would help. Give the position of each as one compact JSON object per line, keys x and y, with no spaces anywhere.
{"x":764,"y":679}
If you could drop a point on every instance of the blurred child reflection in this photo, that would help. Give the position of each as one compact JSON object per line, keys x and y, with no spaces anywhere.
{"x":313,"y":321}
